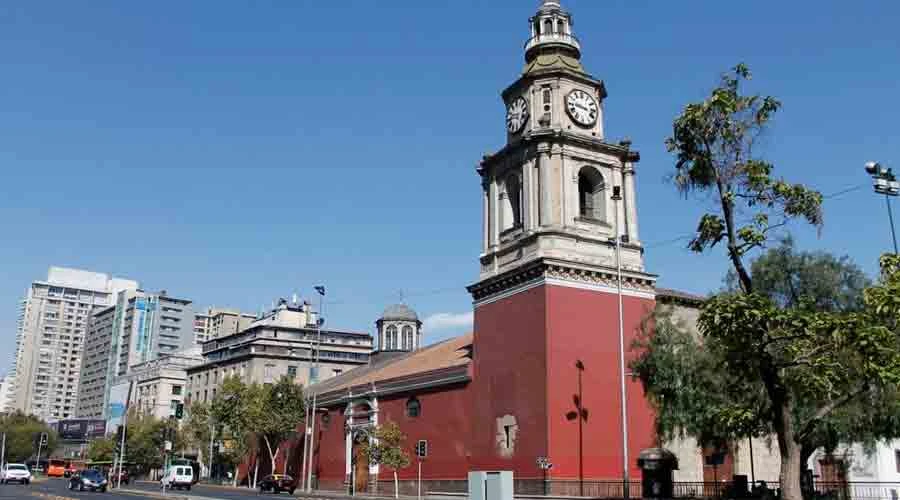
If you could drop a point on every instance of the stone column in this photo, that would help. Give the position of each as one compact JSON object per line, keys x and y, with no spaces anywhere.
{"x":486,"y":217}
{"x":494,"y":211}
{"x":631,"y":203}
{"x":544,"y":195}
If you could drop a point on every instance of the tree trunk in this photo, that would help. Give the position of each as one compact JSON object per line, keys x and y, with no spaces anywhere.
{"x":788,"y":447}
{"x":255,"y":474}
{"x":790,"y":472}
{"x":396,"y":485}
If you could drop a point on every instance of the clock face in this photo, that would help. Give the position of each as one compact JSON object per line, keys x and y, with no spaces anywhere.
{"x":582,"y":107}
{"x":516,"y":115}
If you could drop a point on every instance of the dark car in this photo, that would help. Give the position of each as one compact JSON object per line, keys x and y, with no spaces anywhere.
{"x":126,"y":477}
{"x":88,"y":479}
{"x":276,"y":483}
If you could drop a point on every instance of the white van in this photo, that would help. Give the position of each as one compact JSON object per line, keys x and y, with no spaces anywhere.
{"x":178,"y":477}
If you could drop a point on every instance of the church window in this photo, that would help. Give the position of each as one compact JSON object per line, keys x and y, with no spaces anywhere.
{"x":546,"y":97}
{"x":413,"y":408}
{"x":513,"y":209}
{"x":548,"y":26}
{"x":390,"y":338}
{"x":408,"y":338}
{"x":591,"y":187}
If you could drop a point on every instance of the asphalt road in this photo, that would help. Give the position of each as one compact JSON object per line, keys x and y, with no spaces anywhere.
{"x":55,"y":489}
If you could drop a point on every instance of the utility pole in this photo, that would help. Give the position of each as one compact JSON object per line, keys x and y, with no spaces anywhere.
{"x":312,"y":411}
{"x":124,"y":432}
{"x":3,"y":451}
{"x":617,"y":197}
{"x":885,"y":182}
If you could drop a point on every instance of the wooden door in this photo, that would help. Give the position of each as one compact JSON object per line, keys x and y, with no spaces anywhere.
{"x":360,"y":470}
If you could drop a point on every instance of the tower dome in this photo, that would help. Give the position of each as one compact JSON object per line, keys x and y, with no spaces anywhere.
{"x":400,"y":312}
{"x":551,"y":33}
{"x":399,"y":329}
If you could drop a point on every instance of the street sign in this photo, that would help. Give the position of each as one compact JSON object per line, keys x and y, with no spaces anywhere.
{"x":544,"y":463}
{"x":422,"y":448}
{"x":168,"y":446}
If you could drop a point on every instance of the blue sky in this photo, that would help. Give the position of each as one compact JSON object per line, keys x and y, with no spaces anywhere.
{"x":235,"y":152}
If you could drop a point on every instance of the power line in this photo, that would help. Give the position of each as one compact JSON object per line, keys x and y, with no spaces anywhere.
{"x":670,"y":241}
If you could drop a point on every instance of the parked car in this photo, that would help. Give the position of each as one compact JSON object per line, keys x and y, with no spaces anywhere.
{"x":276,"y":483}
{"x":88,"y":479}
{"x":178,"y":477}
{"x":126,"y":477}
{"x":15,"y":473}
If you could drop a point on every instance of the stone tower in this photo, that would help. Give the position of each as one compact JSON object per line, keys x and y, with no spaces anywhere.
{"x":399,"y":329}
{"x":555,"y":199}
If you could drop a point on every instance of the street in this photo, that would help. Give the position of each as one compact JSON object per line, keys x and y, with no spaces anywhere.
{"x":55,"y":489}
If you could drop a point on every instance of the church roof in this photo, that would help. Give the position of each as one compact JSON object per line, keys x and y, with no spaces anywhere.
{"x":428,"y":365}
{"x":664,"y":294}
{"x":399,"y":312}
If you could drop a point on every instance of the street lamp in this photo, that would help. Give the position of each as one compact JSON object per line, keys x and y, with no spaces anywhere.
{"x":885,"y":182}
{"x":616,"y":198}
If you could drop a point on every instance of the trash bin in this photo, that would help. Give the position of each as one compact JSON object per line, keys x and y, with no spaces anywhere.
{"x":656,"y":465}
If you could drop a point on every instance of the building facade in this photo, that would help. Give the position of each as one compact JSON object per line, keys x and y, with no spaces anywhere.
{"x":159,"y":385}
{"x":140,"y":327}
{"x":213,"y":323}
{"x":51,"y":330}
{"x":281,"y":343}
{"x":5,"y":386}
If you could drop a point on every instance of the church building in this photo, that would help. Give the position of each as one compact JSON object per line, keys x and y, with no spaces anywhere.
{"x":561,"y":265}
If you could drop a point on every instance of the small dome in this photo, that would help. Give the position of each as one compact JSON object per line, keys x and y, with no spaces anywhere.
{"x":400,"y":312}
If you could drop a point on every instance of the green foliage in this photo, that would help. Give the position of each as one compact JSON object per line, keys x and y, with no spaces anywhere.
{"x":198,"y":427}
{"x":818,"y":280}
{"x":714,"y":143}
{"x":102,"y":450}
{"x":274,"y":412}
{"x":145,"y":441}
{"x":22,"y":436}
{"x":387,"y":449}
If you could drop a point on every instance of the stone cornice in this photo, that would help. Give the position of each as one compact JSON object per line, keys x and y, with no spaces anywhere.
{"x":543,"y":139}
{"x":557,"y":72}
{"x":553,"y":270}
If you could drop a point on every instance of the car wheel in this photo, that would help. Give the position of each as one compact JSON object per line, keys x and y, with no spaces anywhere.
{"x":103,"y":489}
{"x":188,"y":487}
{"x":80,"y":486}
{"x":291,"y":491}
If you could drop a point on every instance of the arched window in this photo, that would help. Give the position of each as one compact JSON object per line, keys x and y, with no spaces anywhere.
{"x":512,"y":216}
{"x":390,"y":338}
{"x":408,"y":338}
{"x":548,"y":26}
{"x":591,"y":188}
{"x":413,"y":407}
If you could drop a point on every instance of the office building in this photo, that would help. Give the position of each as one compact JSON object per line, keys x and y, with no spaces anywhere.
{"x":140,"y":327}
{"x":280,"y":343}
{"x":213,"y":323}
{"x":52,"y":322}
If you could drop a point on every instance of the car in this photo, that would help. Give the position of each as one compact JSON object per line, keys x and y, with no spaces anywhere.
{"x":69,"y":471}
{"x":125,"y":477}
{"x":15,"y":473}
{"x":88,"y":479}
{"x":178,"y":477}
{"x":276,"y":483}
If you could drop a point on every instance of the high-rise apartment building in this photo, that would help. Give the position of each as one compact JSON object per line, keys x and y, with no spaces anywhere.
{"x":140,"y":327}
{"x":53,"y":318}
{"x":213,"y":323}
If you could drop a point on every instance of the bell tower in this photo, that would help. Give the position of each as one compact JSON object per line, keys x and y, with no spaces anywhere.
{"x":556,"y":199}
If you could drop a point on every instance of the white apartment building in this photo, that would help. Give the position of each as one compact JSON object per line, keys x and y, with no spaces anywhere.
{"x":50,"y":333}
{"x":140,"y":327}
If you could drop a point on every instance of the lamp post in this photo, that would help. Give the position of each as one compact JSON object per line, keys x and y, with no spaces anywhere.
{"x":885,"y":182}
{"x":312,"y":425}
{"x":617,"y":197}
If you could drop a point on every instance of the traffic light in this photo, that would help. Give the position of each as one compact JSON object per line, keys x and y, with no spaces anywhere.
{"x":179,"y":411}
{"x":422,"y":448}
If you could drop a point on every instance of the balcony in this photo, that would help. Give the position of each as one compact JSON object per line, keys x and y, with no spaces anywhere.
{"x":553,"y":38}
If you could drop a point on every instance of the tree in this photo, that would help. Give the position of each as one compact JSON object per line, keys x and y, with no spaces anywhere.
{"x":818,"y":279}
{"x":276,"y":410}
{"x":102,"y":449}
{"x":778,"y":369}
{"x":198,"y":430}
{"x":22,"y":435}
{"x":387,"y":449}
{"x":229,"y":411}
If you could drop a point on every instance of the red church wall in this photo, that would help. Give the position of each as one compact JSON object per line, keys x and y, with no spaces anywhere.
{"x":510,"y":378}
{"x":444,"y":422}
{"x":583,"y":325}
{"x":330,"y":466}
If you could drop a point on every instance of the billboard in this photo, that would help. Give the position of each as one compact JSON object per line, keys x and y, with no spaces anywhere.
{"x":80,"y":429}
